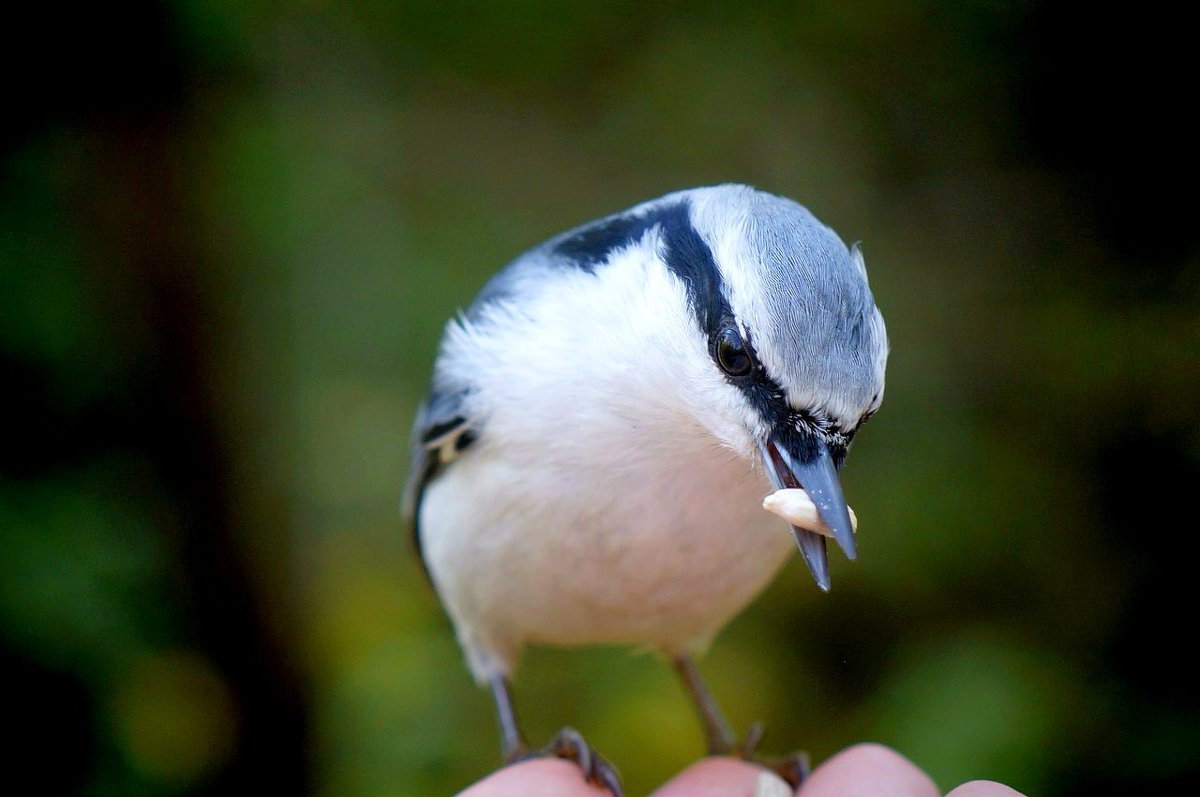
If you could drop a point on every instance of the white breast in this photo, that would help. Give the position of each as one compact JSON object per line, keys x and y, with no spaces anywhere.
{"x":595,"y":507}
{"x":564,"y":556}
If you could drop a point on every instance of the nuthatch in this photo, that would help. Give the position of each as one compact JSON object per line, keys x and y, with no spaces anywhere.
{"x":606,"y":416}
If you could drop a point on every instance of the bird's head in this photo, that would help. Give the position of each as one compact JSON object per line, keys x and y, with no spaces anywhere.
{"x":796,"y":348}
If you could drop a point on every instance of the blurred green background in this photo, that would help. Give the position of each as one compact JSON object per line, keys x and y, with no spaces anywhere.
{"x":230,"y":234}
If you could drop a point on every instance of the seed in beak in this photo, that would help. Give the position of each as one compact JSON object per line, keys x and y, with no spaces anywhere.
{"x":793,"y":505}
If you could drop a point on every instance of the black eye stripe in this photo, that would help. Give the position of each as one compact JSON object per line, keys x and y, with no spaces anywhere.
{"x":769,"y":398}
{"x":689,"y":258}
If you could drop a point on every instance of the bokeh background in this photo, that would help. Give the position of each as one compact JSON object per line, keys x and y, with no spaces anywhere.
{"x":230,"y":234}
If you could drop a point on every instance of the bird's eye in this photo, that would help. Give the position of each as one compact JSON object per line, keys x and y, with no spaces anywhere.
{"x":731,"y":353}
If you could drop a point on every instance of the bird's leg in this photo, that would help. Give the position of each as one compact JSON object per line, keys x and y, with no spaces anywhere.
{"x":793,"y":768}
{"x":568,"y":743}
{"x":512,"y":743}
{"x":720,"y":737}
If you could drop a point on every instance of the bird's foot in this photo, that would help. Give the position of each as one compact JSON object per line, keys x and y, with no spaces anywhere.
{"x":569,"y":744}
{"x":793,"y":768}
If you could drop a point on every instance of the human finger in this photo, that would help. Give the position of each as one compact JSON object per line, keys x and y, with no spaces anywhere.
{"x":984,"y":788}
{"x":537,"y":777}
{"x":723,"y":776}
{"x":869,"y":770}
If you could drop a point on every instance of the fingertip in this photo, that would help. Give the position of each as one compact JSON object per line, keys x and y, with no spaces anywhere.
{"x":868,"y":770}
{"x":537,"y":777}
{"x":984,"y":788}
{"x":717,"y":776}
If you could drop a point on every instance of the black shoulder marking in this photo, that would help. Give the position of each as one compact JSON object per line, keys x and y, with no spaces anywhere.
{"x":441,"y":428}
{"x":590,"y":245}
{"x":687,"y":255}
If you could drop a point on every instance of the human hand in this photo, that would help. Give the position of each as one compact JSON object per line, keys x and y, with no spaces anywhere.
{"x":865,"y":770}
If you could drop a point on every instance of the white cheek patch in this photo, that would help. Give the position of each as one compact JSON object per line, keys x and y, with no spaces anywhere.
{"x":794,"y":506}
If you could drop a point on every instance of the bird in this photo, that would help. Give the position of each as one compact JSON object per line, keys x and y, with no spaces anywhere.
{"x":604,"y":418}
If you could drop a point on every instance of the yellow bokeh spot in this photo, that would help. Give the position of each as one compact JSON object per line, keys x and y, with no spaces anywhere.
{"x":174,"y":717}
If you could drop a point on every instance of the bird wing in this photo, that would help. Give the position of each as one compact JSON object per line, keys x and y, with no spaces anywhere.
{"x":441,"y":432}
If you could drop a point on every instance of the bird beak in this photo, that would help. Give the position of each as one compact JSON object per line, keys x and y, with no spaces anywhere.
{"x":795,"y":460}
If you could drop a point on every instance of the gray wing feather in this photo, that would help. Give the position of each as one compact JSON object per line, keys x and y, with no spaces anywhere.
{"x":441,"y":431}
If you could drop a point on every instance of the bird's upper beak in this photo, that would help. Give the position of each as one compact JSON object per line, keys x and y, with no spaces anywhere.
{"x":795,"y":459}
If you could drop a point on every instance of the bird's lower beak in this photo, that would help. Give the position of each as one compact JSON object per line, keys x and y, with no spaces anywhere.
{"x":794,"y":461}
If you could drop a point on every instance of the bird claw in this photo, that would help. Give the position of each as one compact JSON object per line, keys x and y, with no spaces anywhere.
{"x":570,"y":745}
{"x":793,"y":768}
